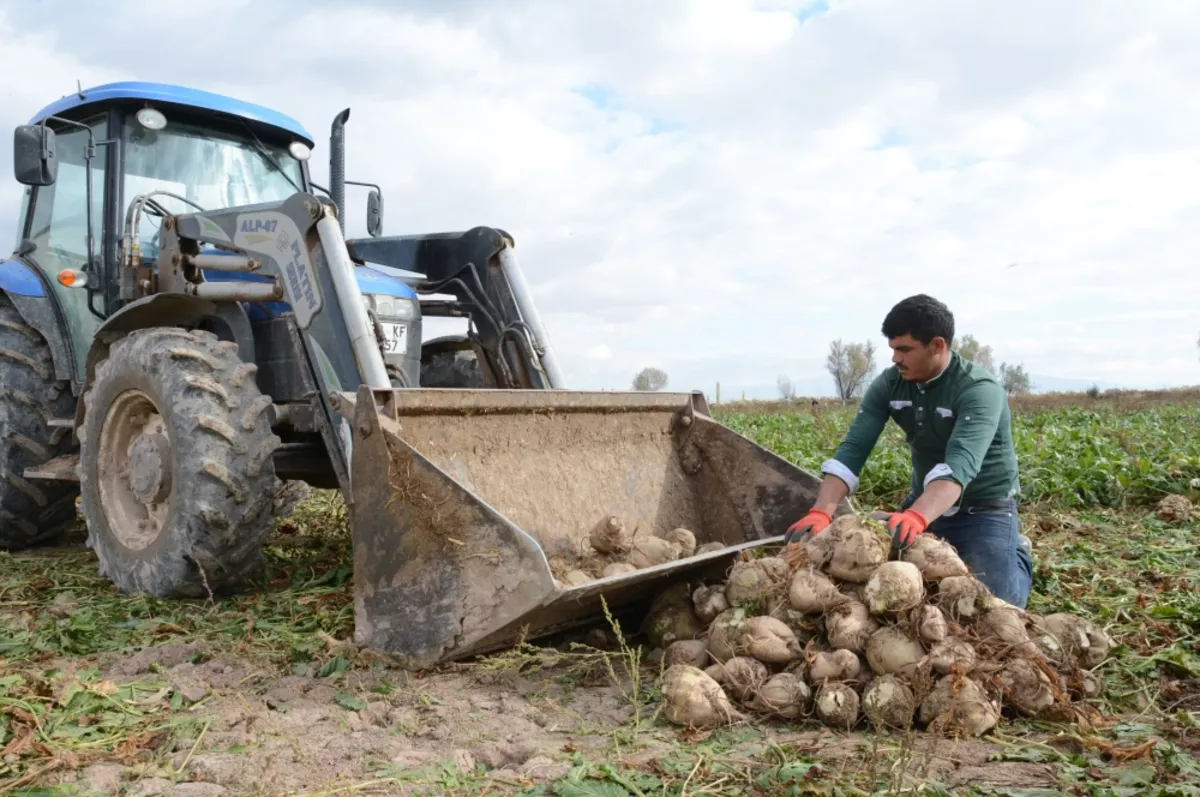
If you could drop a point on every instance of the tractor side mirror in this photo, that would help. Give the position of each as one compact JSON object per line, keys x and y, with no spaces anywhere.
{"x":34,"y":160}
{"x":374,"y":214}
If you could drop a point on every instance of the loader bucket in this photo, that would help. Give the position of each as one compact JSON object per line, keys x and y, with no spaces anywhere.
{"x":463,"y":500}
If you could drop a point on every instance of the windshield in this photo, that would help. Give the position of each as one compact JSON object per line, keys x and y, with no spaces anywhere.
{"x":213,"y":169}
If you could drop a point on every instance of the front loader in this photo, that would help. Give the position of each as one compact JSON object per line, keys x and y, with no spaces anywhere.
{"x":219,"y":341}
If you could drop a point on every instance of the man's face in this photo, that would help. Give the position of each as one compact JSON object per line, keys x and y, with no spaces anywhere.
{"x":916,"y":361}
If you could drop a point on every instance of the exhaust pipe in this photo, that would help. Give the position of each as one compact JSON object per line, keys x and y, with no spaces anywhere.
{"x":337,"y":166}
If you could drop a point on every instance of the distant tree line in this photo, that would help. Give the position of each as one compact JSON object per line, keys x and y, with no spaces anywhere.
{"x":852,"y":366}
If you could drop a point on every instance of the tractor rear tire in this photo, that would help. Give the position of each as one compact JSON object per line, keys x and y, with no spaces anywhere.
{"x":32,"y":512}
{"x":177,"y":468}
{"x":454,"y":369}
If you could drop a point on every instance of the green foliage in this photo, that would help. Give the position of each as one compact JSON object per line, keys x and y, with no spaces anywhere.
{"x":1135,"y":577}
{"x":49,"y":716}
{"x":1068,"y":457}
{"x":56,"y":603}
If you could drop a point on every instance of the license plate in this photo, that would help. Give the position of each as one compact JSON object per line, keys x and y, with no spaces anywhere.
{"x":395,"y":338}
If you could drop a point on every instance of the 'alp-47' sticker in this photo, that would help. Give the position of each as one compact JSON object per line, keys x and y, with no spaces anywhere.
{"x":276,"y":236}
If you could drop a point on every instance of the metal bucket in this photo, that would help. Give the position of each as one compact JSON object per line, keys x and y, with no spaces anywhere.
{"x":463,"y":498}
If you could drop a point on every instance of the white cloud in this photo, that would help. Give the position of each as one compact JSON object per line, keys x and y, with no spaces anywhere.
{"x":720,"y":188}
{"x":599,"y":352}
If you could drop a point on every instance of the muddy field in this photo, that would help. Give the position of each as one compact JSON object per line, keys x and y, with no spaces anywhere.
{"x":263,"y":694}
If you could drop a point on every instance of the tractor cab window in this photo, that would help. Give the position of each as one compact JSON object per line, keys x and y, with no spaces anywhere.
{"x":212,"y":169}
{"x":59,"y":224}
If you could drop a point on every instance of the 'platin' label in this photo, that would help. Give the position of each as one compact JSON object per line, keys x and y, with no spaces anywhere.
{"x":275,"y":235}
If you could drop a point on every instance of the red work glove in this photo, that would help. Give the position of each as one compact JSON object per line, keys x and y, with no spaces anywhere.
{"x":808,"y":527}
{"x":906,"y":526}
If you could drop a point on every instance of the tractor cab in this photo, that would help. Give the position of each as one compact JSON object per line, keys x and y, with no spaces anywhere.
{"x":173,"y":150}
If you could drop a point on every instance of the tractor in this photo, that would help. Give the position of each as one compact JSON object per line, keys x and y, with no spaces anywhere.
{"x":188,"y":339}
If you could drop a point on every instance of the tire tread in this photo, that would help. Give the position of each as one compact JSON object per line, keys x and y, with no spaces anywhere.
{"x":30,"y":397}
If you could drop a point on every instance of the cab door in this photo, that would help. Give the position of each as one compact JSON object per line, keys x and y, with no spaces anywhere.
{"x":56,"y":224}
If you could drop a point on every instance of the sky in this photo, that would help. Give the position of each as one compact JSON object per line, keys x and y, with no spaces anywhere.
{"x":719,"y":188}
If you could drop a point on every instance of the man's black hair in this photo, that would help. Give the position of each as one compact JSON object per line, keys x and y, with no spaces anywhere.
{"x":921,"y":316}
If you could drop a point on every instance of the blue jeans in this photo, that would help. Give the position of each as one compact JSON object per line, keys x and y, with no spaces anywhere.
{"x":986,"y":537}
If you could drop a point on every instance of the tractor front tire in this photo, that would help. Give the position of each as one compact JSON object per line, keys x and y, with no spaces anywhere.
{"x":177,"y":470}
{"x":32,"y":512}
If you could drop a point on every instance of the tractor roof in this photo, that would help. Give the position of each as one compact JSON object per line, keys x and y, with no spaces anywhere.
{"x":178,"y":95}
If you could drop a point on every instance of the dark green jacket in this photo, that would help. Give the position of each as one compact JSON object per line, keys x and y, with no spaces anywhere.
{"x":958,"y":426}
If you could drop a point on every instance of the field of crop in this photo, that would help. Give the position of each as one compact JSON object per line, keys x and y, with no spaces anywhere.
{"x":264,"y":693}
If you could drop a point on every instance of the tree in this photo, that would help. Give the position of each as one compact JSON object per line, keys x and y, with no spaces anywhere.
{"x":650,"y":379}
{"x":1014,"y":379}
{"x":851,"y":366}
{"x":976,"y":352}
{"x":787,"y":390}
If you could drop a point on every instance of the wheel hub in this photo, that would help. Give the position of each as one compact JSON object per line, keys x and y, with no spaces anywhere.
{"x":135,"y":469}
{"x":149,"y":468}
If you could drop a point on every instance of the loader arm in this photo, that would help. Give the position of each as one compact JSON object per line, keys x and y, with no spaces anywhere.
{"x":478,"y":267}
{"x":297,"y":243}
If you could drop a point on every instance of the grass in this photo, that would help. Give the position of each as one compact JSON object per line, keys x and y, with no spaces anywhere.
{"x":55,"y":603}
{"x":54,"y":719}
{"x":1091,"y":473}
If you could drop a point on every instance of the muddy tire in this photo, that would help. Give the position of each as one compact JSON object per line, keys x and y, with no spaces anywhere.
{"x":32,"y":512}
{"x":396,"y":375}
{"x":177,"y":468}
{"x":452,"y":369}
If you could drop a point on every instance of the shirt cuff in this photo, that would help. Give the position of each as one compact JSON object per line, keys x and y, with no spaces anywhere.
{"x":835,"y":468}
{"x":939,"y":472}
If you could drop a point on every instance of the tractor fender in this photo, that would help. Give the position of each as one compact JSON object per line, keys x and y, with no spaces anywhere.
{"x":453,"y":361}
{"x":158,"y":310}
{"x":445,"y":343}
{"x":26,"y":287}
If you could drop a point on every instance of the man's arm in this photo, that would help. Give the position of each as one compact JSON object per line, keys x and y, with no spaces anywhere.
{"x":937,"y":498}
{"x":833,"y":491}
{"x":978,"y":411}
{"x":841,"y":472}
{"x":848,"y":461}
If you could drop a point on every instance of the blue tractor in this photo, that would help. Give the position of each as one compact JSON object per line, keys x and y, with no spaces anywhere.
{"x":186,"y":337}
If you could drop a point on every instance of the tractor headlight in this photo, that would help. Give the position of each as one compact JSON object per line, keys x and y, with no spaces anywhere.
{"x":391,"y":308}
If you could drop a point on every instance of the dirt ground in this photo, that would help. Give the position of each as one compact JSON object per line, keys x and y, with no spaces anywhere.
{"x":390,"y":732}
{"x":262,"y":694}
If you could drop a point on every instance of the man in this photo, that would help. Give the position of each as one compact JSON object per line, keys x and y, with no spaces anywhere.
{"x":956,"y":419}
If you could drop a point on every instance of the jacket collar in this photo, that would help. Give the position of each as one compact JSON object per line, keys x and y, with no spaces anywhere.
{"x":952,"y":362}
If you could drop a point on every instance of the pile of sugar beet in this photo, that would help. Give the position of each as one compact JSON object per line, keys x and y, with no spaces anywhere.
{"x":842,"y":634}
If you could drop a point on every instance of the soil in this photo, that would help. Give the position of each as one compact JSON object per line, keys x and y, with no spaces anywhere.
{"x":266,"y":734}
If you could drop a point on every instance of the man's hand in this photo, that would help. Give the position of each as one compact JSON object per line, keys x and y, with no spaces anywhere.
{"x":803,"y":530}
{"x":905,"y":526}
{"x":808,"y":527}
{"x":820,"y":516}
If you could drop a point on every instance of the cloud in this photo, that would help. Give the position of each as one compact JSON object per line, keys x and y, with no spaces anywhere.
{"x":722,"y":187}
